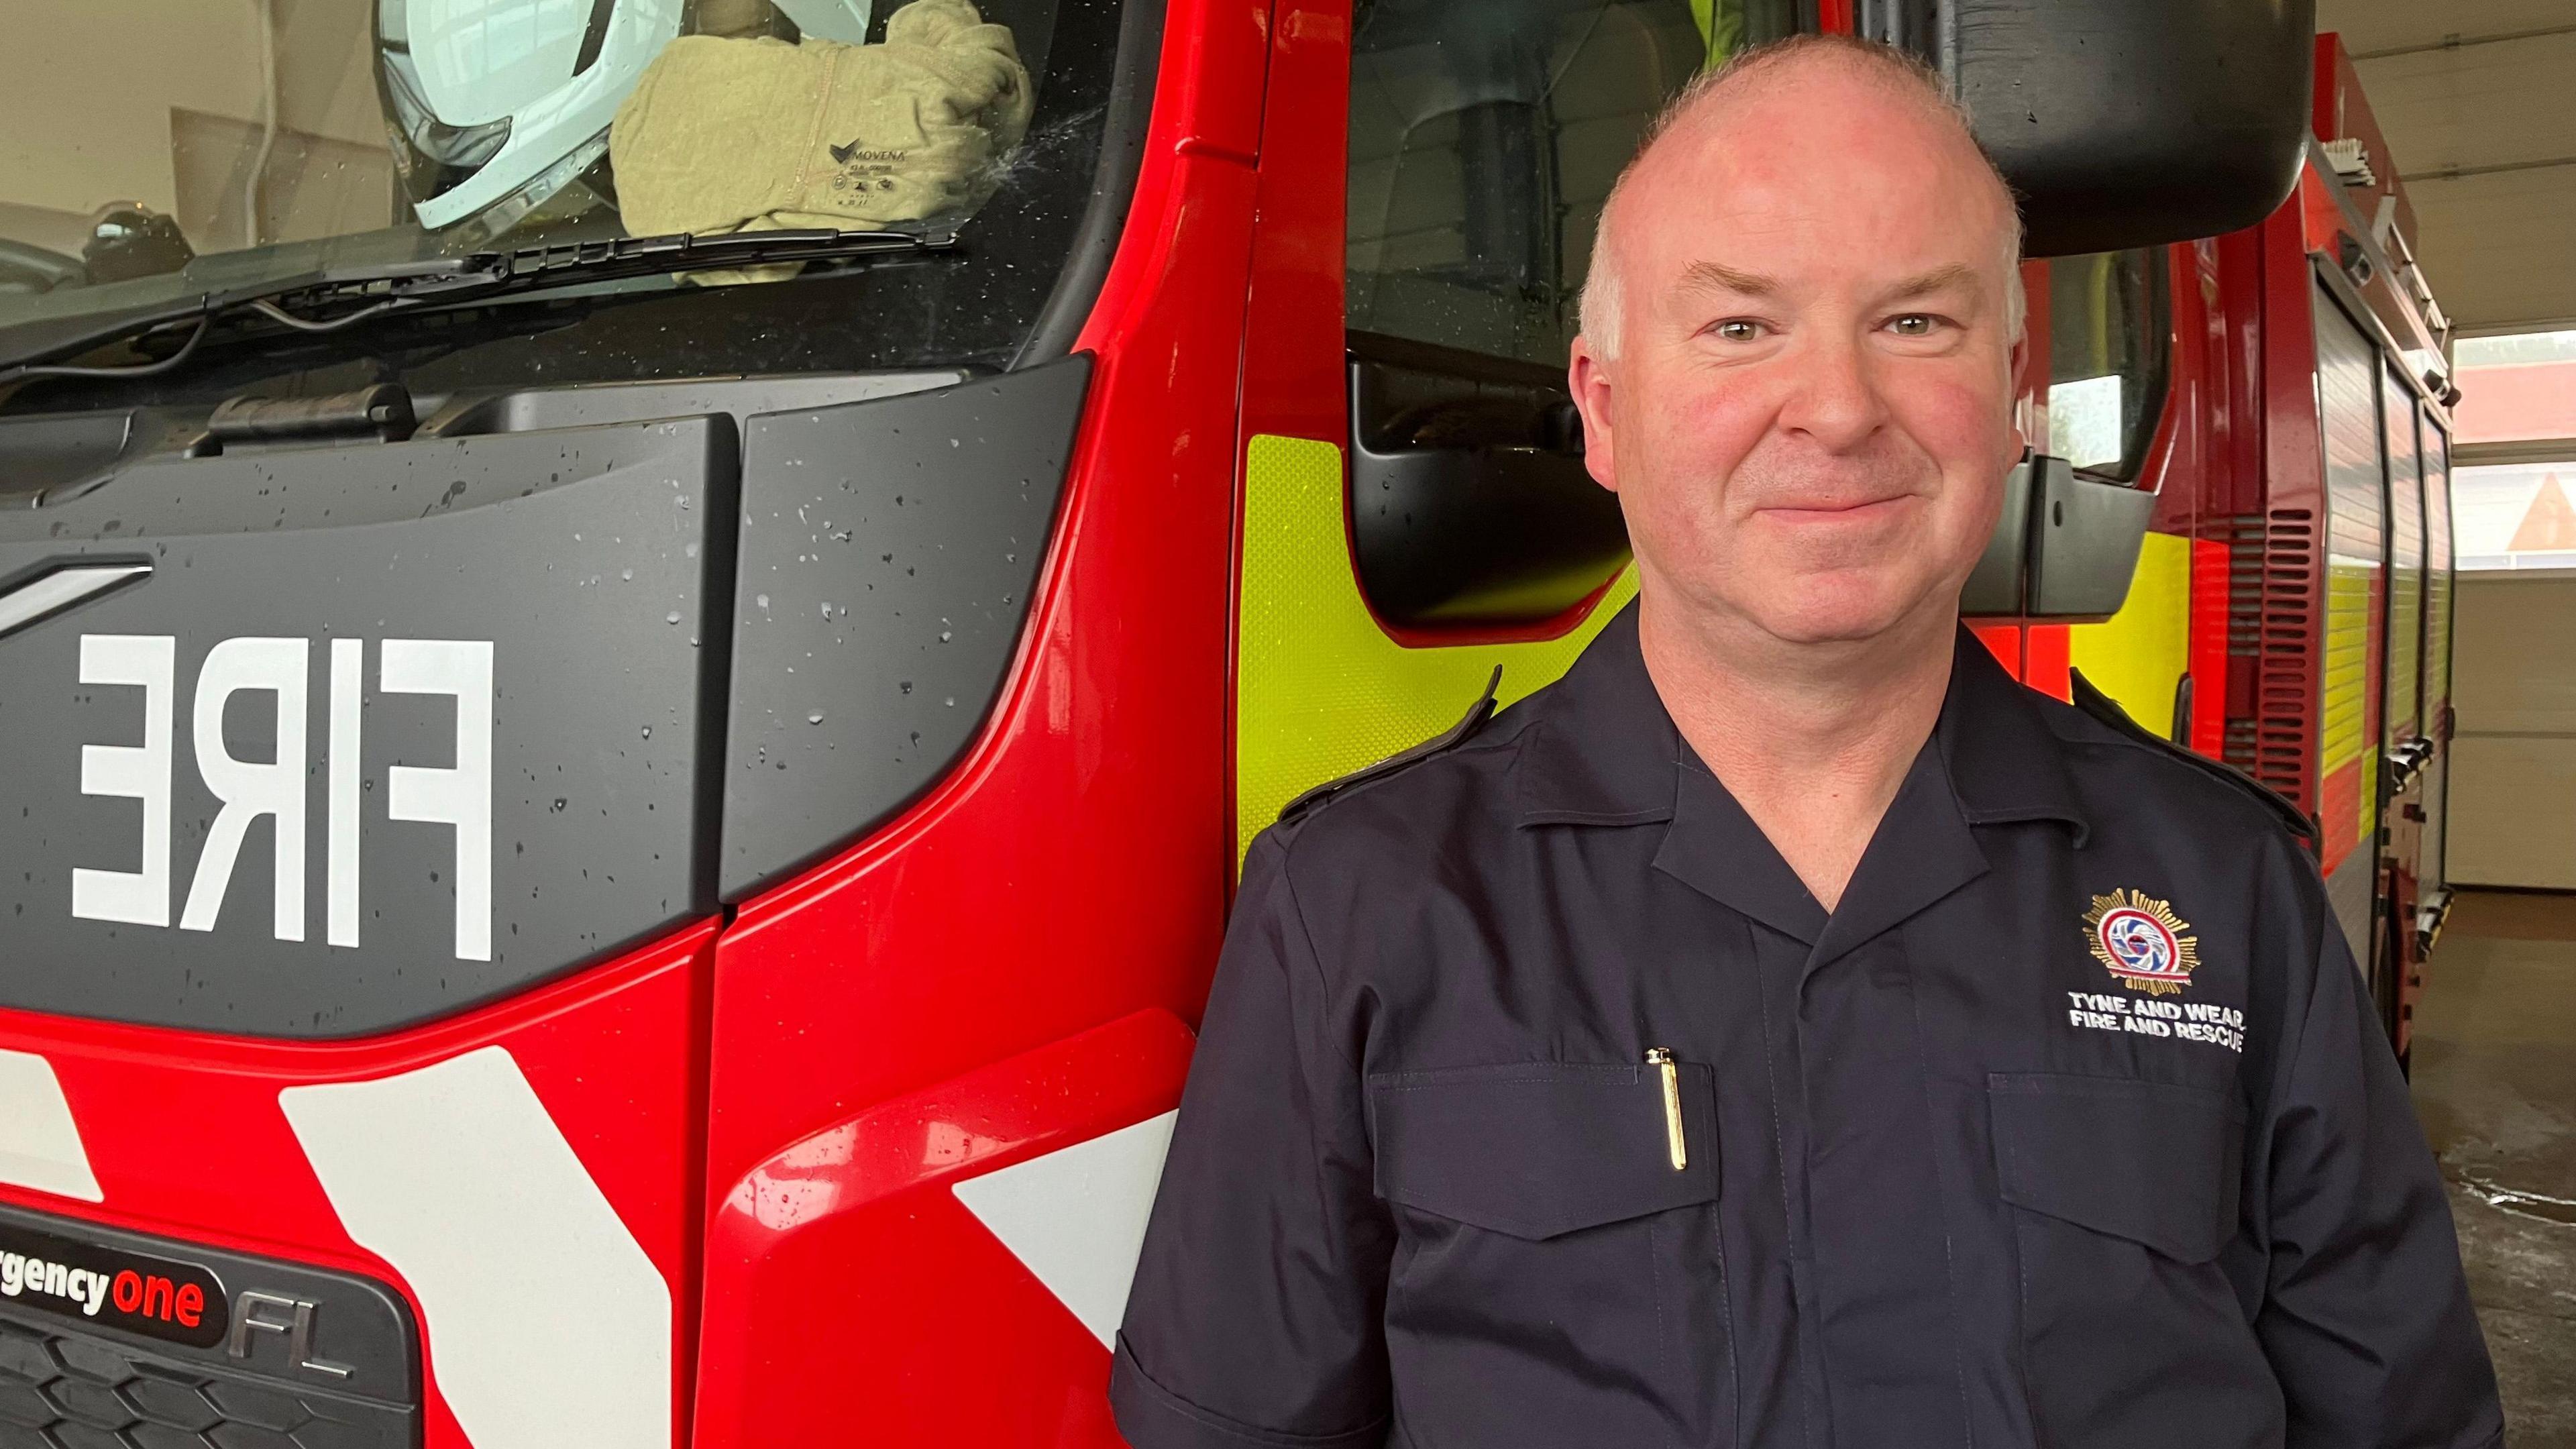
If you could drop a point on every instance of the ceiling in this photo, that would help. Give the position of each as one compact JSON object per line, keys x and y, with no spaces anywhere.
{"x":2472,"y":95}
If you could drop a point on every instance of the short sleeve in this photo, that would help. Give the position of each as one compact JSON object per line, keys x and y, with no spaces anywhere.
{"x":1255,"y":1318}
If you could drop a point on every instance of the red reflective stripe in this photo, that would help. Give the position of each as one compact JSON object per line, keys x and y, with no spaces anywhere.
{"x":2045,"y":659}
{"x":2209,"y":582}
{"x":2002,"y":641}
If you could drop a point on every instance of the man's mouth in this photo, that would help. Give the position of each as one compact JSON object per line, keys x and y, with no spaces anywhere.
{"x":1820,"y":510}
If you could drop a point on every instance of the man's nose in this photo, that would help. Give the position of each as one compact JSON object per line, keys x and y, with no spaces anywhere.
{"x":1832,"y":396}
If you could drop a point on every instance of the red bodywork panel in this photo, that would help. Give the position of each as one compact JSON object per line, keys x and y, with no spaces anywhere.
{"x":1008,"y":967}
{"x":942,"y":980}
{"x":2340,"y":111}
{"x":185,"y":1136}
{"x":2287,"y":611}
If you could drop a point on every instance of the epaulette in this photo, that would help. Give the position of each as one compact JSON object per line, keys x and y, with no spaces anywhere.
{"x":2107,"y":710}
{"x":1449,"y":739}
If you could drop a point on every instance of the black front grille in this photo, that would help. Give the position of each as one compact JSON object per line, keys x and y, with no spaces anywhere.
{"x":270,"y":1355}
{"x":66,"y":1390}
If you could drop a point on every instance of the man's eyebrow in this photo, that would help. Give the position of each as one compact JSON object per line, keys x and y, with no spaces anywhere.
{"x":1719,"y":277}
{"x":1938,"y":279}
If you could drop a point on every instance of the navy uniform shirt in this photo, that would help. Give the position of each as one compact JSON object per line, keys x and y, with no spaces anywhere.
{"x":2069,"y":1126}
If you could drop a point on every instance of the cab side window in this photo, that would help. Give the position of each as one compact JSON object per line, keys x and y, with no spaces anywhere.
{"x":2110,"y":358}
{"x":1484,"y":139}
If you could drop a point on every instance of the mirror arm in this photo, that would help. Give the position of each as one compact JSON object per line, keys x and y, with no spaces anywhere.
{"x":2064,"y":548}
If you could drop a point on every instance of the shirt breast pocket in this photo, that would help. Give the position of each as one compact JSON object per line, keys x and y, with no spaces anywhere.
{"x":2123,"y":1194}
{"x":1558,"y":1278}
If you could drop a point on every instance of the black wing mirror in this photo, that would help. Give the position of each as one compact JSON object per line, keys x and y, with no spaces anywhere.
{"x":2125,"y":123}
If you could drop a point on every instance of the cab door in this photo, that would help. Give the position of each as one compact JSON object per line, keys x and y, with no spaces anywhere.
{"x":1413,"y":509}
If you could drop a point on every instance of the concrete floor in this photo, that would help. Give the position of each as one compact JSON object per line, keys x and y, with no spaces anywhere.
{"x":2495,"y":1081}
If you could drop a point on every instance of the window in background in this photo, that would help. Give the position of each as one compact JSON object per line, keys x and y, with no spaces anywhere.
{"x":2515,"y":515}
{"x":2513,"y":491}
{"x":2516,"y":388}
{"x":2110,"y":350}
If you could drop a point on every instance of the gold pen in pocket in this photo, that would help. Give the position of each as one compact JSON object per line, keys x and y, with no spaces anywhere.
{"x":1662,"y":1060}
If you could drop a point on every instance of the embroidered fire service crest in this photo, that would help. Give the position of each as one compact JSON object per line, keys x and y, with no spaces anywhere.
{"x":2141,"y":940}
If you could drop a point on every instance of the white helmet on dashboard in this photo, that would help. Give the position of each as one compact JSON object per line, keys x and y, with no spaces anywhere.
{"x":495,"y":105}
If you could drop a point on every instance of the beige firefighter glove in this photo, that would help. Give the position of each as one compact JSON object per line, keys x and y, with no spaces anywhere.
{"x":731,"y":135}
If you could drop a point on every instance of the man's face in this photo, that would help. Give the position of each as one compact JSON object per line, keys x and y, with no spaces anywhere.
{"x":1810,"y":415}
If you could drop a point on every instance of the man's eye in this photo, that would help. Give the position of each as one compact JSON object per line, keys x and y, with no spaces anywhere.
{"x":1913,"y":324}
{"x":1739,"y":329}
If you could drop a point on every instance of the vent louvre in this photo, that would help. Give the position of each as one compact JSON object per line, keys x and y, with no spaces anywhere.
{"x":2274,"y":620}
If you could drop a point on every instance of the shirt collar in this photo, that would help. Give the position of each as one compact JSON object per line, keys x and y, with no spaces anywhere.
{"x":2006,"y":763}
{"x":1604,"y":751}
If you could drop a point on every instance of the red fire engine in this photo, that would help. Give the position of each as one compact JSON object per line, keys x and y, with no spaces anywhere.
{"x":598,"y":860}
{"x":2290,"y":613}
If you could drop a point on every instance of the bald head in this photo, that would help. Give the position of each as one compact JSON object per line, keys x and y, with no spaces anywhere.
{"x":1786,"y":82}
{"x":1801,"y":346}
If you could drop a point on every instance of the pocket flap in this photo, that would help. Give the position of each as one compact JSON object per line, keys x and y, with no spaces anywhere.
{"x":2152,"y":1162}
{"x":1539,"y":1149}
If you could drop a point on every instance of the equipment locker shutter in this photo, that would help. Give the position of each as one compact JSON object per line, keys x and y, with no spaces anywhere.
{"x":2405,"y":566}
{"x":2349,"y":678}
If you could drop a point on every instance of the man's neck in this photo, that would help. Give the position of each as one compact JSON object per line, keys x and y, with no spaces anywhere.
{"x":1812,"y":740}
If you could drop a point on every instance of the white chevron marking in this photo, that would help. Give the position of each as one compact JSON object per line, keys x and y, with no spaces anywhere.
{"x":1076,"y":1216}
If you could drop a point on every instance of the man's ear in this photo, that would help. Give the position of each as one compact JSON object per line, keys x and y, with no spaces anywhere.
{"x":1587,"y":376}
{"x":2020,"y":391}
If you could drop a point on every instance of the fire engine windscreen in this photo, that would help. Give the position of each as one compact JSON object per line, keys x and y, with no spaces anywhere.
{"x":221,"y":144}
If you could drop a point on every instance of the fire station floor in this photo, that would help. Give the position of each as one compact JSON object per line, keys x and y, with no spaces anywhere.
{"x":2495,"y":1081}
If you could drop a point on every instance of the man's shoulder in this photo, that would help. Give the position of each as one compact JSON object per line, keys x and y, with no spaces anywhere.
{"x":1440,"y":796}
{"x":2128,"y":772}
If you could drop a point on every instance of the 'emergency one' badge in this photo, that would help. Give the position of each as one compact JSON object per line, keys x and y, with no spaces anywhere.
{"x":2141,"y":940}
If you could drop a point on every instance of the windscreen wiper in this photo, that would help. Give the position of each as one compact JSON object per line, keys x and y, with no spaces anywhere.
{"x":331,"y":299}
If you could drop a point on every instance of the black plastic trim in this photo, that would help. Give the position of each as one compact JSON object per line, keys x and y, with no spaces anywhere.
{"x":887,"y":556}
{"x":2085,"y":536}
{"x":354,"y":1324}
{"x":590,"y":559}
{"x":594,"y":36}
{"x":50,"y":450}
{"x":1995,"y":588}
{"x":528,"y":410}
{"x":2065,"y":546}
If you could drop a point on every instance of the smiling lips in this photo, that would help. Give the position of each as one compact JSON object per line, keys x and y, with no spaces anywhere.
{"x":1821,"y":511}
{"x":1819,"y":492}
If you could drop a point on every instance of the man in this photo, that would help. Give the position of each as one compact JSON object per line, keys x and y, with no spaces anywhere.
{"x":1786,"y":1030}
